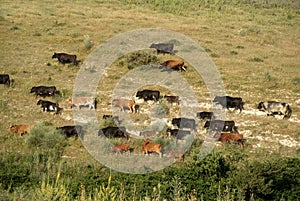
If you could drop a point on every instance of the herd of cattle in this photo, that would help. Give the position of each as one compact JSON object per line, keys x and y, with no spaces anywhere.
{"x":224,"y":130}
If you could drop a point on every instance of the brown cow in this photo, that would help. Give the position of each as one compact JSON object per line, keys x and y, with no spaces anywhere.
{"x":229,"y":137}
{"x":176,"y":155}
{"x":81,"y":101}
{"x":174,"y":64}
{"x":149,"y":147}
{"x":124,"y":104}
{"x":20,"y":129}
{"x":119,"y":148}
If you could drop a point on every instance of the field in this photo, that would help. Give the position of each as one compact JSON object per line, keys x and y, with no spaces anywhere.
{"x":255,"y":48}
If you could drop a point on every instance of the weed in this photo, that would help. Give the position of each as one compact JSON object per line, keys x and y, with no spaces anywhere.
{"x":87,"y":42}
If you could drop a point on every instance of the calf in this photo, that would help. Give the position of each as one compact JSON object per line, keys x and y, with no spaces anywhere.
{"x":184,"y":123}
{"x":230,"y":137}
{"x":147,"y":134}
{"x":172,"y":99}
{"x":70,"y":131}
{"x":177,"y":155}
{"x":124,"y":104}
{"x":66,"y":58}
{"x":180,"y":134}
{"x":163,"y":48}
{"x":230,"y":102}
{"x":44,"y":91}
{"x":274,"y":107}
{"x":80,"y":102}
{"x":20,"y":129}
{"x":118,"y":149}
{"x":174,"y":65}
{"x":113,"y":132}
{"x":4,"y":79}
{"x":205,"y":115}
{"x":149,"y":147}
{"x":220,"y":125}
{"x":49,"y":106}
{"x":148,"y":95}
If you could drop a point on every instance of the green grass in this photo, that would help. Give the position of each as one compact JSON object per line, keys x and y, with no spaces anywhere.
{"x":255,"y":46}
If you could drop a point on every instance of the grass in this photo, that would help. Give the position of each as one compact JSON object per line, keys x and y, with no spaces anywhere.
{"x":254,"y":46}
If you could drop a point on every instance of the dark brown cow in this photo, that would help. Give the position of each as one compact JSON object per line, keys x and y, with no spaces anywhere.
{"x":66,"y":58}
{"x":4,"y":79}
{"x":174,"y":65}
{"x":149,"y":147}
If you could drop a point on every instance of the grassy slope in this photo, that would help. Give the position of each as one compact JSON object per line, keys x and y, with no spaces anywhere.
{"x":32,"y":31}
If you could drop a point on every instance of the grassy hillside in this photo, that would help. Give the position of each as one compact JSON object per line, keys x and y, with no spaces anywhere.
{"x":254,"y":45}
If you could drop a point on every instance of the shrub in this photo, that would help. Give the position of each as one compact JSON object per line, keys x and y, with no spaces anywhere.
{"x":46,"y":140}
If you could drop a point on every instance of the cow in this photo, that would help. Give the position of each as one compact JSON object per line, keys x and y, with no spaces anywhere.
{"x":80,"y":102}
{"x":177,"y":133}
{"x":65,"y":58}
{"x":172,"y":99}
{"x":230,"y":137}
{"x":119,"y":148}
{"x":44,"y":91}
{"x":274,"y":107}
{"x":147,"y":134}
{"x":115,"y":118}
{"x":4,"y":79}
{"x":183,"y":122}
{"x":70,"y":131}
{"x":148,"y":95}
{"x":113,"y":132}
{"x":205,"y":115}
{"x":20,"y":129}
{"x":149,"y":147}
{"x":230,"y":102}
{"x":49,"y":106}
{"x":176,"y":155}
{"x":221,"y":125}
{"x":124,"y":104}
{"x":165,"y":48}
{"x":137,"y":108}
{"x":174,"y":65}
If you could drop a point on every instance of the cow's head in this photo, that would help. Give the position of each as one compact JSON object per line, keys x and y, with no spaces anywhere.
{"x":260,"y":105}
{"x":54,"y":55}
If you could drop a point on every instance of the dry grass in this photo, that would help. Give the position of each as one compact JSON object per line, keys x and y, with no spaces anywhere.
{"x":255,"y":50}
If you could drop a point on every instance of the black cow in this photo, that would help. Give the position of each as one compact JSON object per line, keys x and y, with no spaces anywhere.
{"x":44,"y":91}
{"x":165,"y":48}
{"x":113,"y":132}
{"x":183,"y":122}
{"x":221,"y":125}
{"x":4,"y":79}
{"x":205,"y":115}
{"x":49,"y":106}
{"x":177,"y":133}
{"x":274,"y":107}
{"x":109,"y":116}
{"x":172,"y":99}
{"x":148,"y":95}
{"x":230,"y":102}
{"x":66,"y":58}
{"x":70,"y":131}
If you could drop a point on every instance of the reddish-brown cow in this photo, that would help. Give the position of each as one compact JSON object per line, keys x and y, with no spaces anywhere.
{"x":231,"y":137}
{"x":119,"y":148}
{"x":20,"y":129}
{"x":174,"y":64}
{"x":124,"y":104}
{"x":149,"y":147}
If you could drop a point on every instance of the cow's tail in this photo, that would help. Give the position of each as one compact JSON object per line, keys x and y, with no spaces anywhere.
{"x":288,"y":112}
